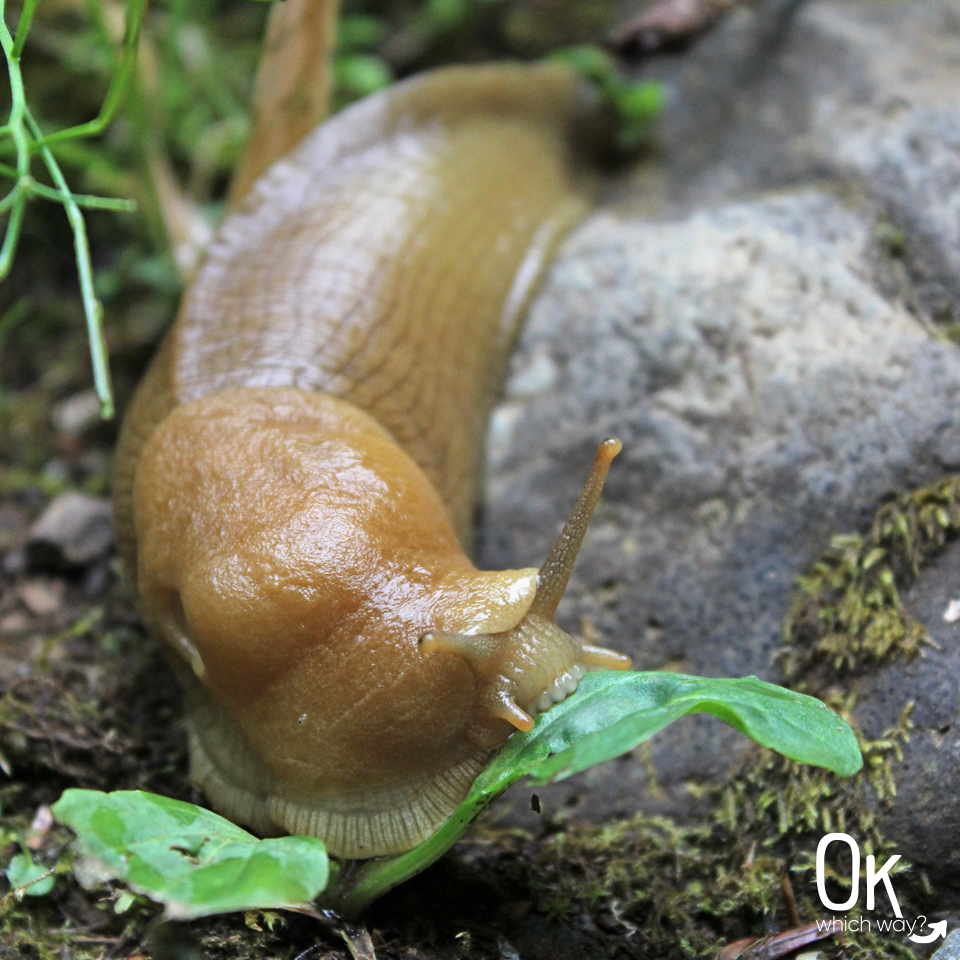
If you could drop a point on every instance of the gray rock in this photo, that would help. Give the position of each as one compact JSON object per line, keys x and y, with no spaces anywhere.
{"x":924,"y":816}
{"x":950,"y":949}
{"x":863,"y":94}
{"x":71,"y":533}
{"x":770,"y":382}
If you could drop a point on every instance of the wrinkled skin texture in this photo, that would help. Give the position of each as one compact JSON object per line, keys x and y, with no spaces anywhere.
{"x":296,"y":477}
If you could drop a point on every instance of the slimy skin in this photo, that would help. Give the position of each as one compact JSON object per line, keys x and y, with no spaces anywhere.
{"x":296,"y":478}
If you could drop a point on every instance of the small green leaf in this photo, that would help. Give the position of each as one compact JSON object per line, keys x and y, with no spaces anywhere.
{"x":589,"y":61}
{"x":22,"y":870}
{"x":636,"y":105}
{"x":189,"y":859}
{"x":611,"y":713}
{"x":124,"y":902}
{"x":358,"y":75}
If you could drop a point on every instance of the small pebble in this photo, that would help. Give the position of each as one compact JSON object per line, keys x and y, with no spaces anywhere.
{"x":72,"y":532}
{"x":14,"y":562}
{"x":77,"y":414}
{"x":14,"y":623}
{"x":41,"y":597}
{"x":40,"y":827}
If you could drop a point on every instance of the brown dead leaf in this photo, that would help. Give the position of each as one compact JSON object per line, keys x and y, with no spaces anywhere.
{"x":781,"y":945}
{"x":669,"y":24}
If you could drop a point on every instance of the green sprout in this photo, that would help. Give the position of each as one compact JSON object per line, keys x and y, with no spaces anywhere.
{"x":29,"y":140}
{"x":636,"y":106}
{"x":196,"y":863}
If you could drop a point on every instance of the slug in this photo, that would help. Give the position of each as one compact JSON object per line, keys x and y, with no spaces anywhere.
{"x":296,"y":476}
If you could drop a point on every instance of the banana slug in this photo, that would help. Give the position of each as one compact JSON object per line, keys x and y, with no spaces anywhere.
{"x":296,"y":476}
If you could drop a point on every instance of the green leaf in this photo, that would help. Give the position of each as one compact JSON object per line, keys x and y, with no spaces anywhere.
{"x":611,"y":713}
{"x":589,"y":61}
{"x":358,"y":75}
{"x":22,"y":870}
{"x":636,"y":105}
{"x":124,"y":902}
{"x":614,"y":712}
{"x":192,"y":861}
{"x":197,"y":863}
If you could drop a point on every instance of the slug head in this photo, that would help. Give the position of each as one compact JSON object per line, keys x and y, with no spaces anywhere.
{"x":527,"y":669}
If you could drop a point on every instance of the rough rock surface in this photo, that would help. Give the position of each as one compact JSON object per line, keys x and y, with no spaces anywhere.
{"x":950,"y":949}
{"x":761,"y":319}
{"x":925,"y":815}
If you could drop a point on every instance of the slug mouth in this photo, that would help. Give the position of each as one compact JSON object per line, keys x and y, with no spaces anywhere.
{"x":560,"y":689}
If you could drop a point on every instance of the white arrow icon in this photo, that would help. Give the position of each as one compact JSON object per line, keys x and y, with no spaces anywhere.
{"x":939,"y":930}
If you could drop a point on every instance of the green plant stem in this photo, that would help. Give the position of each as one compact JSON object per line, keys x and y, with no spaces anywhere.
{"x":20,"y":140}
{"x":7,"y":202}
{"x":118,"y":85}
{"x":28,"y":138}
{"x":91,"y":305}
{"x":26,"y":17}
{"x":351,"y":893}
{"x":115,"y":204}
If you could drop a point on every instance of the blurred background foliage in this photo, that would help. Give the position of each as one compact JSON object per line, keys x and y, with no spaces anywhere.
{"x":172,"y":149}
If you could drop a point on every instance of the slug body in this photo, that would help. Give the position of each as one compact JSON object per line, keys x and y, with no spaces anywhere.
{"x":296,"y":477}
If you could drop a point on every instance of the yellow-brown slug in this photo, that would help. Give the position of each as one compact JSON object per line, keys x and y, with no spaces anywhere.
{"x":296,"y":477}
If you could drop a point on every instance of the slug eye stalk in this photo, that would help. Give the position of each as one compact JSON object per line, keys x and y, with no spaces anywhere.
{"x":555,"y":572}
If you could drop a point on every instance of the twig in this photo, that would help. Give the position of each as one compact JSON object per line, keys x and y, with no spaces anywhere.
{"x":33,"y":188}
{"x":789,"y":900}
{"x":17,"y":197}
{"x":18,"y":892}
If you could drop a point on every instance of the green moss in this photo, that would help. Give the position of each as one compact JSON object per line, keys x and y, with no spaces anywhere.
{"x":846,"y":613}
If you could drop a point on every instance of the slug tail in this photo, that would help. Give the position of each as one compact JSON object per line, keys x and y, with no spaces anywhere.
{"x":555,"y":572}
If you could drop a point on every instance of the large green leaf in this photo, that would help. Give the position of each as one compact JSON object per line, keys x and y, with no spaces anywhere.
{"x":610,"y":714}
{"x":614,"y":712}
{"x":187,"y":858}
